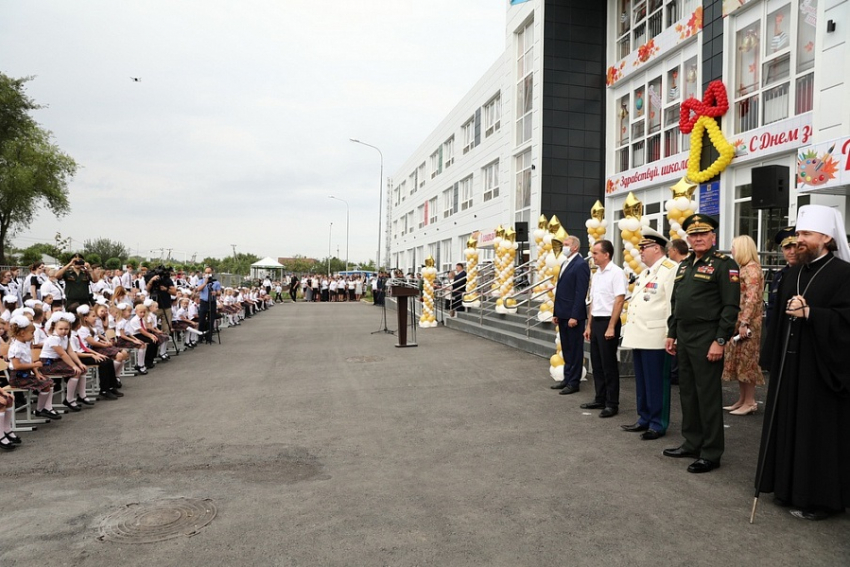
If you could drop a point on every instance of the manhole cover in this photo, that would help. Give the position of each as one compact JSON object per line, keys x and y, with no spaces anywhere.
{"x":362,"y":359}
{"x":159,"y":520}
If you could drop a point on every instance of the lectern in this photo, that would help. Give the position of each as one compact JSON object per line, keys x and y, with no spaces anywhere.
{"x":403,"y":295}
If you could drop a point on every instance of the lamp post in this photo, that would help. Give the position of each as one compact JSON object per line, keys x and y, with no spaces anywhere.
{"x":330,"y":232}
{"x":347,"y":210}
{"x":380,"y":199}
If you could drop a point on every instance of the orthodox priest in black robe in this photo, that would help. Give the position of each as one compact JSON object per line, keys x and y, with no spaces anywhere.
{"x":806,"y":452}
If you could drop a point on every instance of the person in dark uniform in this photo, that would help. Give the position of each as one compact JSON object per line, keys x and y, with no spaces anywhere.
{"x":704,"y":311}
{"x":787,"y":241}
{"x":77,"y":276}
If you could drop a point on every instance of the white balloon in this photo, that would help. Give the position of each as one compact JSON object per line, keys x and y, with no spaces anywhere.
{"x":622,"y":225}
{"x":547,"y":238}
{"x":675,"y":226}
{"x":693,"y":205}
{"x":644,"y":221}
{"x":516,"y":245}
{"x":539,"y":233}
{"x":628,"y":246}
{"x":594,"y":223}
{"x":682,"y":203}
{"x":682,"y":233}
{"x":670,"y":205}
{"x":588,"y":223}
{"x":603,"y":223}
{"x":633,"y":225}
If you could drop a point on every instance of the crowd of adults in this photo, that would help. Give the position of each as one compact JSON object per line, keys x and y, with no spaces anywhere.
{"x":701,"y":310}
{"x":76,"y":330}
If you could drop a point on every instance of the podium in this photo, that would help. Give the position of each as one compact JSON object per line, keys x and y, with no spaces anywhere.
{"x":403,"y":294}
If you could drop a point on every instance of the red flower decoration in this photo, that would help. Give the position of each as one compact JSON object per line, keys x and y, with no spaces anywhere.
{"x":714,"y":103}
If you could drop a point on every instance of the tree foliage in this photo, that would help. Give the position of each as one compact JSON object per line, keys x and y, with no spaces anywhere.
{"x":105,"y":248}
{"x":33,"y":171}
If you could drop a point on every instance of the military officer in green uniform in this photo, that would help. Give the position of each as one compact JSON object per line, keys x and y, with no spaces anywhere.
{"x":704,"y":309}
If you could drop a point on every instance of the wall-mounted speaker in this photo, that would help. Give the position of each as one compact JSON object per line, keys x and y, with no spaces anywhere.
{"x":522,"y":232}
{"x":770,"y":187}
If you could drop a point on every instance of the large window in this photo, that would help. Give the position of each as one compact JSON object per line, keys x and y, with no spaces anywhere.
{"x":449,"y":152}
{"x":396,"y":195}
{"x":448,"y":202}
{"x":402,"y":190}
{"x":639,"y":21}
{"x":760,"y":224}
{"x":421,"y":174}
{"x":468,"y":132}
{"x":466,"y":193}
{"x":413,"y":182}
{"x":420,"y":214}
{"x":446,"y":255}
{"x":523,"y":185}
{"x":410,"y":224}
{"x":774,"y":62}
{"x":492,"y":115}
{"x":432,"y":211}
{"x":490,"y":174}
{"x":525,"y":82}
{"x":437,"y":162}
{"x":647,"y":112}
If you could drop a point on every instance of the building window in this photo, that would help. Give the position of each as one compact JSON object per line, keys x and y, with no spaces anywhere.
{"x":641,"y":20}
{"x":446,"y":255}
{"x":432,"y":211}
{"x":760,"y":224}
{"x":421,"y":174}
{"x":466,"y":193}
{"x":420,"y":214}
{"x":403,"y":221}
{"x":396,"y":195}
{"x":468,"y":132}
{"x":493,"y":115}
{"x":395,"y":229}
{"x":434,"y":252}
{"x":437,"y":162}
{"x":410,"y":224}
{"x":491,"y":180}
{"x":525,"y":82}
{"x":774,"y":63}
{"x":448,"y":202}
{"x":523,"y":184}
{"x":449,"y":152}
{"x":414,"y":185}
{"x":402,"y":189}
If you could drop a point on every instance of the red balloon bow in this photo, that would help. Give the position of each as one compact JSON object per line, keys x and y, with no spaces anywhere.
{"x":714,"y":103}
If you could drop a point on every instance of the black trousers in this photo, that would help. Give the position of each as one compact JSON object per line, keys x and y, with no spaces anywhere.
{"x":150,"y":351}
{"x":603,"y":357}
{"x":293,"y":290}
{"x":206,"y":313}
{"x":106,"y":375}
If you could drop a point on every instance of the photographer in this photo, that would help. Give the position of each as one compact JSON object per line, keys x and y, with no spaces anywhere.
{"x":208,"y":290}
{"x":160,"y":288}
{"x":77,"y":277}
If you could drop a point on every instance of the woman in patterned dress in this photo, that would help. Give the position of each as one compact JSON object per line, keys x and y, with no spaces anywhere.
{"x":742,"y":352}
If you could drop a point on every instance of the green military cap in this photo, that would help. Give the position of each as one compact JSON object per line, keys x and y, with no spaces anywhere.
{"x":699,"y":223}
{"x":786,"y":236}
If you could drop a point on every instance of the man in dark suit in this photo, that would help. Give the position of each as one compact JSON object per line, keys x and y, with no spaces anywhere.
{"x":570,"y":314}
{"x":458,"y":289}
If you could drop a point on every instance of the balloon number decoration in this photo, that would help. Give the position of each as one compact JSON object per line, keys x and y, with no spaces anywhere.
{"x":596,"y":224}
{"x":471,"y":297}
{"x":544,"y":245}
{"x":714,"y":104}
{"x":429,"y":273}
{"x":506,"y":248}
{"x":553,"y":261}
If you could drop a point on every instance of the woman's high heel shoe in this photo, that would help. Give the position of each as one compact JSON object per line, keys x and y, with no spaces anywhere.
{"x":733,"y":407}
{"x":745,"y":410}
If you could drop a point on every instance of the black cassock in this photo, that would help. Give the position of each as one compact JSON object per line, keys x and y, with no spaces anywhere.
{"x":807,"y":463}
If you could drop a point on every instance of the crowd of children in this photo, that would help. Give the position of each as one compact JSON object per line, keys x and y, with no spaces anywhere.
{"x":50,"y":347}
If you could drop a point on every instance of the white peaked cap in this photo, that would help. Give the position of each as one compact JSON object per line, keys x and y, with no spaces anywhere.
{"x":825,"y":220}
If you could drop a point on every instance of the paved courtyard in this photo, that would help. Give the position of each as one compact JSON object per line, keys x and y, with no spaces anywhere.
{"x":318,"y":443}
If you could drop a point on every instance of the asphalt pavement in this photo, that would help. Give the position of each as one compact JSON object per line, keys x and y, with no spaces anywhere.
{"x":307,"y":441}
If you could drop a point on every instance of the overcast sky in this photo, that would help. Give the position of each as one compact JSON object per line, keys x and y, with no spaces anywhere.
{"x":239,"y":128}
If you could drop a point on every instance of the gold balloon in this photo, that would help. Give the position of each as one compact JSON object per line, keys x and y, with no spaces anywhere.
{"x":500,"y":231}
{"x":510,"y":234}
{"x":473,"y":240}
{"x":429,"y":262}
{"x":683,"y":188}
{"x":597,"y":211}
{"x":632,"y":207}
{"x":542,"y":222}
{"x":554,"y":224}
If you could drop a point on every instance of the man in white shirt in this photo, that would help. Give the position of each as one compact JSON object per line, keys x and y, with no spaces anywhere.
{"x":127,"y":277}
{"x":607,"y":295}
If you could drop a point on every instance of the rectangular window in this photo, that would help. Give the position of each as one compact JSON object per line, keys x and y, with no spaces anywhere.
{"x":774,"y":62}
{"x":468,"y":132}
{"x":433,"y":213}
{"x":413,"y":183}
{"x":448,"y":202}
{"x":421,"y":174}
{"x":410,"y":224}
{"x":436,"y":163}
{"x":523,"y":181}
{"x":449,"y":152}
{"x":490,"y":175}
{"x":446,"y":255}
{"x":525,"y":82}
{"x":402,"y":189}
{"x":466,"y":193}
{"x":420,"y":214}
{"x":493,"y":115}
{"x":396,"y":195}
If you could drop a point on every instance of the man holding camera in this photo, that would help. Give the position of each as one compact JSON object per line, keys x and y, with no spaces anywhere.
{"x":77,"y":276}
{"x":160,"y":288}
{"x":208,"y":289}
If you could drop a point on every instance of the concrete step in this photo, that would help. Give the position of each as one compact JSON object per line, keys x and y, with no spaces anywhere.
{"x":518,"y":340}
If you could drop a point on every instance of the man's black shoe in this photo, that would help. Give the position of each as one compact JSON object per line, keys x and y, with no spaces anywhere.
{"x":814,"y":515}
{"x":651,"y":435}
{"x":559,"y":385}
{"x":702,"y":466}
{"x":592,"y":405}
{"x":107,"y":395}
{"x":608,"y":412}
{"x":636,"y":426}
{"x":679,"y":453}
{"x":568,"y":390}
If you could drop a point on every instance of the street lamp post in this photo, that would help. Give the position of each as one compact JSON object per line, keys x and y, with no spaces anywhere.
{"x":380,"y":199}
{"x":347,"y":210}
{"x":330,"y":232}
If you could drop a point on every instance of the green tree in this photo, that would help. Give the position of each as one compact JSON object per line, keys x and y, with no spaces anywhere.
{"x":241,"y":264}
{"x":113,"y":263}
{"x":213,"y":263}
{"x":33,"y":171}
{"x":93,"y":258}
{"x":105,"y":248}
{"x":29,"y":256}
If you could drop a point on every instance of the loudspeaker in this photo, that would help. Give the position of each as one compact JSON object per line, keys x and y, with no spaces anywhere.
{"x":522,"y":232}
{"x":770,"y":187}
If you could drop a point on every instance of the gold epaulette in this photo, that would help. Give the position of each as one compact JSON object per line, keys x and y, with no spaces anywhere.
{"x":720,"y":255}
{"x":668,"y":264}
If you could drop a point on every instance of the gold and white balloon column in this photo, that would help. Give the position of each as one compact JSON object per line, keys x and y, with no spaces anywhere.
{"x":680,"y":206}
{"x":631,"y":226}
{"x":554,"y":259}
{"x":497,"y":261}
{"x":553,"y":262}
{"x":543,"y":248}
{"x":596,"y":224}
{"x":429,"y":273}
{"x":507,"y":250}
{"x":471,"y":297}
